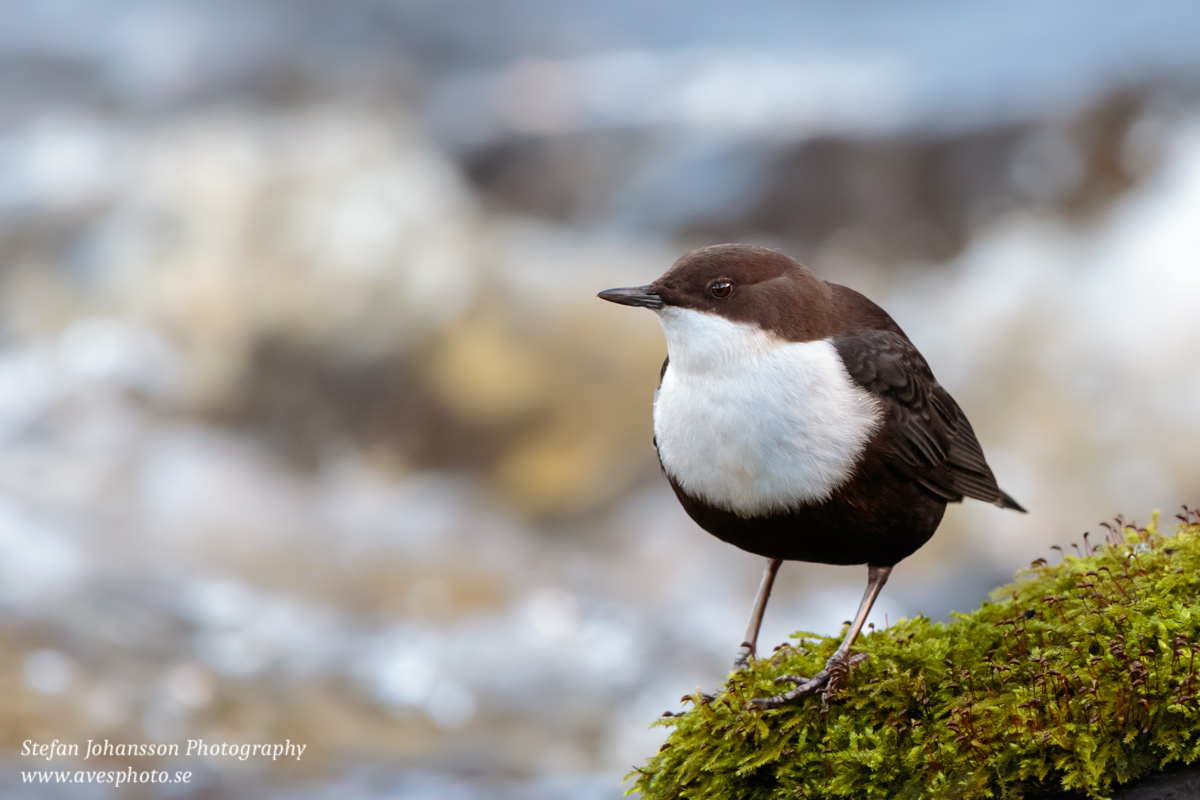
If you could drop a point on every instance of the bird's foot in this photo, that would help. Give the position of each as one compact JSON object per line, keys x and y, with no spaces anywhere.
{"x":744,"y":654}
{"x":830,"y":681}
{"x":741,"y":661}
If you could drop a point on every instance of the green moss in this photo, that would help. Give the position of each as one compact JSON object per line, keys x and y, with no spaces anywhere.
{"x":1081,"y":675}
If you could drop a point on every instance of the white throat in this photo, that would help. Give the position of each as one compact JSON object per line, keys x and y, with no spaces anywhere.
{"x":753,"y":424}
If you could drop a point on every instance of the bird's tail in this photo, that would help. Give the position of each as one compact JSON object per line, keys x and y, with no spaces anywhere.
{"x":1006,"y":501}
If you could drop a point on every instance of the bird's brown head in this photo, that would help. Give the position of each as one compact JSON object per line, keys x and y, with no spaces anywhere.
{"x":742,"y":283}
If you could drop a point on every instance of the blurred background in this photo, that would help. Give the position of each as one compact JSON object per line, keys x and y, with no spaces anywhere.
{"x":312,"y":428}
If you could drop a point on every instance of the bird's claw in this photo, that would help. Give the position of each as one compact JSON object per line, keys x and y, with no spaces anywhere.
{"x":830,"y":681}
{"x":794,"y":679}
{"x":744,"y":654}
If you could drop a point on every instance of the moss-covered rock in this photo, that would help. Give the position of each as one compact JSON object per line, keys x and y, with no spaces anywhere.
{"x":1080,"y":676}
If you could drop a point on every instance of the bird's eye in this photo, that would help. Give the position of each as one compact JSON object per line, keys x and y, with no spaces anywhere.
{"x":721,"y":288}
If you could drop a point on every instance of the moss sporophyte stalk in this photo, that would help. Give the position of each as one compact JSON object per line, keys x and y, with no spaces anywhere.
{"x":1080,"y":676}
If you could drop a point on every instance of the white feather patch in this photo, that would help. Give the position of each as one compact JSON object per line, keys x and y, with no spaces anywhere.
{"x":753,"y":424}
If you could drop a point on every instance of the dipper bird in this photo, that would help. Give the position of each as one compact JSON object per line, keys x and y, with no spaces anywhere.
{"x":795,"y":420}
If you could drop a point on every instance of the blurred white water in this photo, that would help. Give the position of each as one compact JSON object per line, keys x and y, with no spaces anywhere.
{"x":1090,"y":336}
{"x":305,"y":435}
{"x":166,"y":529}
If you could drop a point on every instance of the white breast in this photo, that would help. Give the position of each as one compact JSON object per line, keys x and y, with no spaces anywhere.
{"x":753,"y":424}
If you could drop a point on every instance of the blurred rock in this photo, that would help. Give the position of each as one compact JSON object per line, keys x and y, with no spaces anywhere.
{"x":887,"y":199}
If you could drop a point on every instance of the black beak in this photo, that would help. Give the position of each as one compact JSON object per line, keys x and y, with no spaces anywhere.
{"x":633,"y":296}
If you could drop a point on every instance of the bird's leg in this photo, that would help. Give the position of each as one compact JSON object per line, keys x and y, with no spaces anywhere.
{"x":837,"y":668}
{"x":747,"y":650}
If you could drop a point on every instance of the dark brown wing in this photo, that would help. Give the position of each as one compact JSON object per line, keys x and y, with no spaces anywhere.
{"x":933,"y":443}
